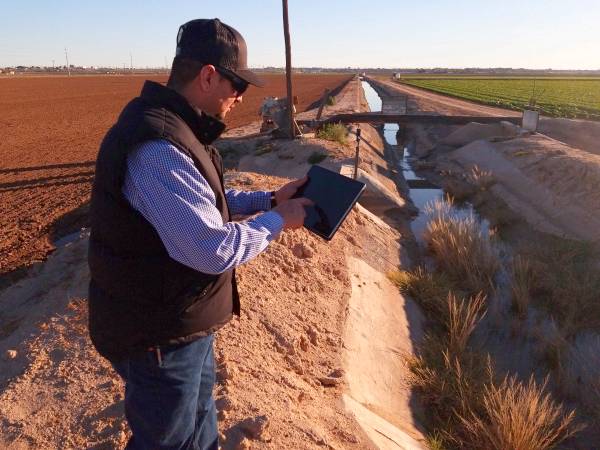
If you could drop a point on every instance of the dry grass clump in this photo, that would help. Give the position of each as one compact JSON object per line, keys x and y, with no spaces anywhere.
{"x":448,"y":377}
{"x":336,"y":132}
{"x":481,"y":179}
{"x":518,"y":416}
{"x":467,"y":409}
{"x":429,"y":289}
{"x":522,"y":282}
{"x":466,"y":406}
{"x":463,"y":317}
{"x":466,"y":186}
{"x":458,"y":188}
{"x":449,"y":388}
{"x":461,"y":247}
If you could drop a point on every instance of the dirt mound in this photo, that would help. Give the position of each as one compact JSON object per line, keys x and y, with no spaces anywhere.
{"x":280,"y":366}
{"x":56,"y":392}
{"x":552,"y":185}
{"x":582,"y":134}
{"x":475,"y":131}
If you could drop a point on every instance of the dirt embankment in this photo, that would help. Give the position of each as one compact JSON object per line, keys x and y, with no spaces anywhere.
{"x":312,"y":362}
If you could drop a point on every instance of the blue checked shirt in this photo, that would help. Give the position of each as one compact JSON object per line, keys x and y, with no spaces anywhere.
{"x":166,"y":188}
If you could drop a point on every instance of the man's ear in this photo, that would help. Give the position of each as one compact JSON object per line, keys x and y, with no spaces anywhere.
{"x":207,"y":77}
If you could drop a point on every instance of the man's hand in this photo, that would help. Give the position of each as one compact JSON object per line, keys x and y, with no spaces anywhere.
{"x":293,"y":212}
{"x":288,"y":190}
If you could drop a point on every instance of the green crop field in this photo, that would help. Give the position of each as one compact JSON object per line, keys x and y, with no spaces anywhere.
{"x":558,"y":97}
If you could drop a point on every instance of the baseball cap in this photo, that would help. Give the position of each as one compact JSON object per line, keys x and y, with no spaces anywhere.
{"x":212,"y":42}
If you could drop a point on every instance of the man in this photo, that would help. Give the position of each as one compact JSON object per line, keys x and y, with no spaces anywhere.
{"x":163,"y":248}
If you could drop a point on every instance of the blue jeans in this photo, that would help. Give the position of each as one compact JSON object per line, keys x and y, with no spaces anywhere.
{"x":168,"y":397}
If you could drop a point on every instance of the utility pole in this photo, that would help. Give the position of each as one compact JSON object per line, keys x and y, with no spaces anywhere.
{"x":67,"y":58}
{"x":52,"y":65}
{"x":288,"y":69}
{"x":130,"y":62}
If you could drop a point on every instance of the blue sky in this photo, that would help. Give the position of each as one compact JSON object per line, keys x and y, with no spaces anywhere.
{"x":554,"y":34}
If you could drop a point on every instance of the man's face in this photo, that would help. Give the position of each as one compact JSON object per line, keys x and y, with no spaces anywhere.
{"x":215,"y":92}
{"x":226,"y":97}
{"x":222,"y":90}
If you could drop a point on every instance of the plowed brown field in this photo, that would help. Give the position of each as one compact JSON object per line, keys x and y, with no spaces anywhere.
{"x":51,"y":130}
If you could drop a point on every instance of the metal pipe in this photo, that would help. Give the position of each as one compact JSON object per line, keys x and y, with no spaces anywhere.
{"x":377,"y":117}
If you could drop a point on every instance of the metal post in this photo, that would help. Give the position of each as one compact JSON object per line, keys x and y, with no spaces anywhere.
{"x":288,"y":68}
{"x":322,"y":105}
{"x":357,"y":150}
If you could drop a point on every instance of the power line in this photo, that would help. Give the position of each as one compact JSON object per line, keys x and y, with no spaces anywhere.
{"x":67,"y":58}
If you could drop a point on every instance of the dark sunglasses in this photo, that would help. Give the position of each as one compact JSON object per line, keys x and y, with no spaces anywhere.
{"x":238,"y":84}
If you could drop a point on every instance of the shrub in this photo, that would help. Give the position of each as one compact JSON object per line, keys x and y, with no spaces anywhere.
{"x":330,"y":100}
{"x":336,"y":132}
{"x":316,"y":157}
{"x":264,"y":149}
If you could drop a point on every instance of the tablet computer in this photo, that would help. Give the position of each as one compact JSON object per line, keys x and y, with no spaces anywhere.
{"x":334,"y":196}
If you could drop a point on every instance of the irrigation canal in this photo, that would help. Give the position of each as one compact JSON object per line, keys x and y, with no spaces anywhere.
{"x":421,"y":191}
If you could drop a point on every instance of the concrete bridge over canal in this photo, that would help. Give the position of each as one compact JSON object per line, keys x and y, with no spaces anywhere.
{"x":394,"y":110}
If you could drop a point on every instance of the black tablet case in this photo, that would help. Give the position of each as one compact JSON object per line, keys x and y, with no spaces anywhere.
{"x":334,"y":196}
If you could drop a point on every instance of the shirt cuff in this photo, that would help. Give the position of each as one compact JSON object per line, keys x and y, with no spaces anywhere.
{"x":264,"y":201}
{"x":272,"y":221}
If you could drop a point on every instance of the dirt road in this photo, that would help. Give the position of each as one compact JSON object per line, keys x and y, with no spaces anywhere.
{"x":424,"y":101}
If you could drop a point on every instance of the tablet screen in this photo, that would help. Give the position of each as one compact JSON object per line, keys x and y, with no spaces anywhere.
{"x":334,"y":195}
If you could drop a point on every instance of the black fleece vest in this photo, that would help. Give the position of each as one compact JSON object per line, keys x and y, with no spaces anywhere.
{"x":139,"y":297}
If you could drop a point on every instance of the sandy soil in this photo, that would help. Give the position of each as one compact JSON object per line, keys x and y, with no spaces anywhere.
{"x":52,"y":127}
{"x":280,"y":366}
{"x":301,"y":368}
